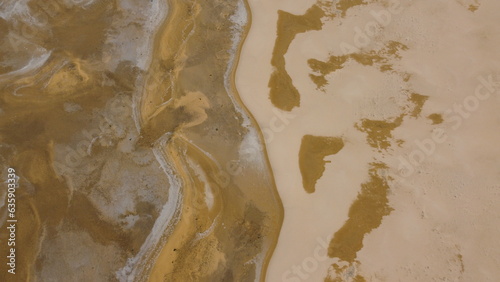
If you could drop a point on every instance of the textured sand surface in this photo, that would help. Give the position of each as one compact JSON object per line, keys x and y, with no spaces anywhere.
{"x":411,"y":89}
{"x":136,"y":159}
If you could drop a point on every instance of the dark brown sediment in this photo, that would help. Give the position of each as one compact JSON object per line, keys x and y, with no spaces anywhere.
{"x":365,"y":214}
{"x":313,"y":150}
{"x":418,"y":101}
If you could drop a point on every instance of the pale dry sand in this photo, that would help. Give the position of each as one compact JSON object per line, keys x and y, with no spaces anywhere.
{"x":444,"y":223}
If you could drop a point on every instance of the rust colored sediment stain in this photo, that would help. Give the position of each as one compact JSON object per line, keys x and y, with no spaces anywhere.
{"x":365,"y":214}
{"x":283,"y":93}
{"x":313,"y":150}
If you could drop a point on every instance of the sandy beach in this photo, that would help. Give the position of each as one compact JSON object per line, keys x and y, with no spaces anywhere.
{"x":411,"y":194}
